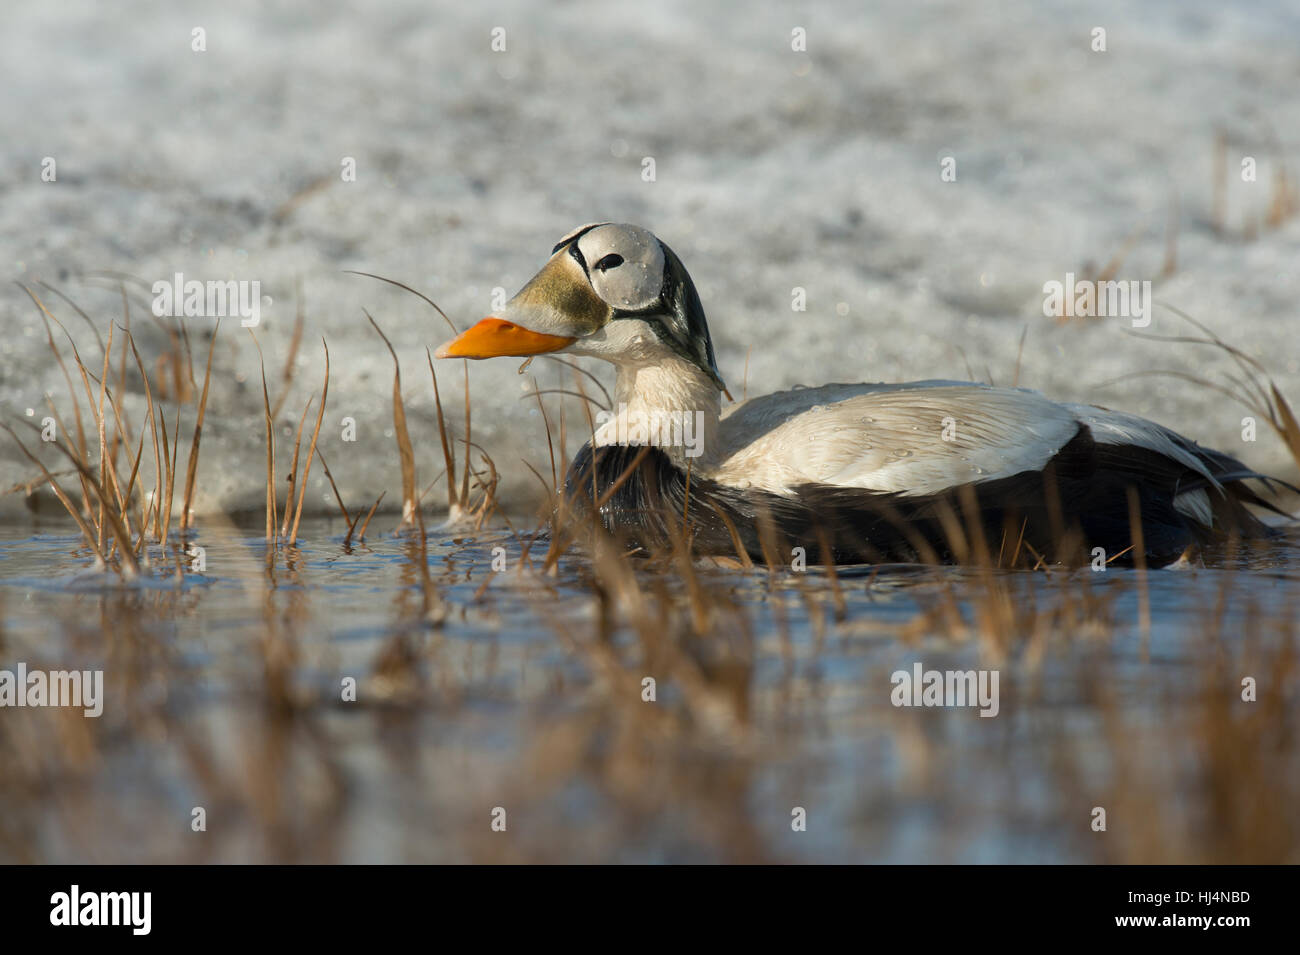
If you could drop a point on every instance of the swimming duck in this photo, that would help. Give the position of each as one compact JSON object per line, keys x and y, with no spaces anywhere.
{"x":928,"y":470}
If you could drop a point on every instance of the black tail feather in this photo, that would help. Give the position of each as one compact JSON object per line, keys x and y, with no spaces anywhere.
{"x":1078,"y":502}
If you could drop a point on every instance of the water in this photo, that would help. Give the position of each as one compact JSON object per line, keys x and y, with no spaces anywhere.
{"x":523,"y":691}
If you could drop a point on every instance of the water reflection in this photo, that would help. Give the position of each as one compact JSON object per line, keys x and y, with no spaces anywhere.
{"x":477,"y":690}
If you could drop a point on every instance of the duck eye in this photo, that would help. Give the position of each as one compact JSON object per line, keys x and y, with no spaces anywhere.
{"x":611,"y":261}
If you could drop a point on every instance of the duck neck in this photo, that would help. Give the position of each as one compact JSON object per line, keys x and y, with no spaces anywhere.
{"x":670,"y":404}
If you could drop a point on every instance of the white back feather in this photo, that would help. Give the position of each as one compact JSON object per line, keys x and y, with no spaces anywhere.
{"x":890,"y":437}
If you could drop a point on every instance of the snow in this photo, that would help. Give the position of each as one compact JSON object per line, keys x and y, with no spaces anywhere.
{"x":775,"y":169}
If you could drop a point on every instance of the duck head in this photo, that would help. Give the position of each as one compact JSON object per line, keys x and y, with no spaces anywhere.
{"x":609,"y":291}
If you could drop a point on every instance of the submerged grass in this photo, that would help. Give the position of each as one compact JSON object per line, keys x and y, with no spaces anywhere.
{"x":685,"y":706}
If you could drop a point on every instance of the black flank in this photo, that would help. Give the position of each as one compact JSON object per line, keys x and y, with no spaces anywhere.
{"x":1079,"y":501}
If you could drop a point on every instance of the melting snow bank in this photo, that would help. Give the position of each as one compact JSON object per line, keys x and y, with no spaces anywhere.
{"x":913,"y":179}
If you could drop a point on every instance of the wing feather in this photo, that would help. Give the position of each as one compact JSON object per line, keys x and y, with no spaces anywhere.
{"x":918,"y":438}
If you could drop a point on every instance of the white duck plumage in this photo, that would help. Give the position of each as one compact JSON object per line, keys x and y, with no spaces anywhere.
{"x":854,"y":456}
{"x":916,"y":438}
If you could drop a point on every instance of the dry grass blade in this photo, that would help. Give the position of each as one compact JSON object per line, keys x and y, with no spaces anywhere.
{"x":122,"y":496}
{"x":290,"y":361}
{"x":189,"y":356}
{"x":126,"y":495}
{"x":72,"y":391}
{"x":366,"y":523}
{"x":622,"y":478}
{"x":455,"y":501}
{"x":609,"y":402}
{"x":550,"y":441}
{"x":293,"y":472}
{"x":1140,"y":563}
{"x":1258,"y":392}
{"x":271,"y":514}
{"x":432,"y":610}
{"x":171,"y":458}
{"x":488,"y":506}
{"x":448,"y":455}
{"x":123,"y":424}
{"x":153,"y":432}
{"x":1287,"y":426}
{"x":347,"y":518}
{"x":94,"y":329}
{"x":87,"y":532}
{"x":192,"y":467}
{"x":111,"y":516}
{"x":315,"y":435}
{"x":419,"y":295}
{"x":104,"y":463}
{"x":464,"y":483}
{"x":404,"y":448}
{"x":81,"y":449}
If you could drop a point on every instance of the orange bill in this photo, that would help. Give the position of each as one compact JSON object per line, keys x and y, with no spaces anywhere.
{"x":494,"y":337}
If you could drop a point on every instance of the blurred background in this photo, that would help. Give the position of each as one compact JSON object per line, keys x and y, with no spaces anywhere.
{"x":774,"y":168}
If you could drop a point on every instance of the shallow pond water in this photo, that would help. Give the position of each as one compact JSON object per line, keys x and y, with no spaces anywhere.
{"x":505,"y":696}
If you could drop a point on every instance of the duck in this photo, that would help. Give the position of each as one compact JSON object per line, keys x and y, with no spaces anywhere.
{"x":845,"y":473}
